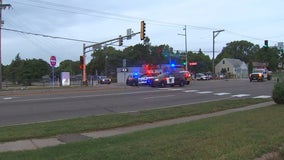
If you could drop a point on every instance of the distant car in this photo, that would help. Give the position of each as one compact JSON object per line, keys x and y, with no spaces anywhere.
{"x":168,"y":79}
{"x":209,"y":76}
{"x":104,"y":80}
{"x":201,"y":76}
{"x":260,"y":74}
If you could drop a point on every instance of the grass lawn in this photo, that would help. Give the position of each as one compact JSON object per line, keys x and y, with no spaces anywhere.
{"x":237,"y":136}
{"x":38,"y":130}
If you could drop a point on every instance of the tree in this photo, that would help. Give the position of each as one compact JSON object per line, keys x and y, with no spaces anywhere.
{"x":25,"y":71}
{"x":106,"y":59}
{"x":242,"y":50}
{"x":69,"y":66}
{"x":203,"y":62}
{"x":269,"y":56}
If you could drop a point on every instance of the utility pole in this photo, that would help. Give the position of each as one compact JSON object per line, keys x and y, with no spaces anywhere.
{"x":215,"y":34}
{"x":2,"y":6}
{"x":185,"y":41}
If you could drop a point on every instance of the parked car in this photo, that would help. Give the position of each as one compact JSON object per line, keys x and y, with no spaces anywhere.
{"x":104,"y":80}
{"x":201,"y":76}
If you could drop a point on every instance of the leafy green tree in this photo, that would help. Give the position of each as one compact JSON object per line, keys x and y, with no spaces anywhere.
{"x":242,"y":50}
{"x":106,"y":59}
{"x":13,"y":71}
{"x":25,"y":71}
{"x":204,"y":62}
{"x":69,"y":66}
{"x":268,"y":55}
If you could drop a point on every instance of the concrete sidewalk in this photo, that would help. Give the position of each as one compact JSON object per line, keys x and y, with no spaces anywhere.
{"x":32,"y":144}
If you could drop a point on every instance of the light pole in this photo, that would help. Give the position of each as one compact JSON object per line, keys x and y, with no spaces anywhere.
{"x":215,"y":34}
{"x":185,"y":41}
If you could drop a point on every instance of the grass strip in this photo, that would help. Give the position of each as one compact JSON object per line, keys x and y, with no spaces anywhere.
{"x":94,"y":123}
{"x":241,"y":135}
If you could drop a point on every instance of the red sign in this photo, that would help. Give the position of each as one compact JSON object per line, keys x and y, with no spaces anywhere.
{"x":52,"y":61}
{"x":193,"y":63}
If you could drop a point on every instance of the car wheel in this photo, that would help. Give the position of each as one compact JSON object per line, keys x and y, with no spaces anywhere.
{"x":163,"y":84}
{"x":181,"y":83}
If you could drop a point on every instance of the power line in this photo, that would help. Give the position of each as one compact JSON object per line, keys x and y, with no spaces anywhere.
{"x":85,"y":11}
{"x":48,"y":36}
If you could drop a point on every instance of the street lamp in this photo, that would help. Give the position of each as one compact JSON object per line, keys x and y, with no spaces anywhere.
{"x":185,"y":41}
{"x":215,"y":34}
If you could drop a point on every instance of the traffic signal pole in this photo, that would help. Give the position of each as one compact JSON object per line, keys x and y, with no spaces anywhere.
{"x":90,"y":48}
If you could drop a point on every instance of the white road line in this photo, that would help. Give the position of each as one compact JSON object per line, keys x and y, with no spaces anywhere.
{"x":221,"y":94}
{"x":190,"y":91}
{"x":7,"y":98}
{"x":262,"y":96}
{"x":159,"y":97}
{"x":204,"y":92}
{"x":175,"y":89}
{"x":241,"y":95}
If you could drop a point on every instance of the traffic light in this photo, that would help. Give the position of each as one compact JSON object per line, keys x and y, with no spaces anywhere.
{"x":184,"y":63}
{"x":142,"y":33}
{"x":120,"y":40}
{"x":265,"y":43}
{"x":81,"y":62}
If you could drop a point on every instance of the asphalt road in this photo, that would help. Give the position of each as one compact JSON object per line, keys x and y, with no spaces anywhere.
{"x":29,"y":106}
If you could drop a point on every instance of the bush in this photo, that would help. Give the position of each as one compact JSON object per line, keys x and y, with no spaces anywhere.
{"x":278,"y":93}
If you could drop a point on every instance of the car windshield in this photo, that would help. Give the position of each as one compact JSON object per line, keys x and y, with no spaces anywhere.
{"x":257,"y":71}
{"x":162,"y":75}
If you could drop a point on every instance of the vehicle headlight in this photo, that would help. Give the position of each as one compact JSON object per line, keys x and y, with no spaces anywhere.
{"x":156,"y":79}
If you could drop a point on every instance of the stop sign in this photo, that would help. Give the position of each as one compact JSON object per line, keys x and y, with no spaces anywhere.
{"x":52,"y":61}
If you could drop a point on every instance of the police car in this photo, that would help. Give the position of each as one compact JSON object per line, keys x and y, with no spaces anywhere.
{"x":162,"y":80}
{"x":168,"y":79}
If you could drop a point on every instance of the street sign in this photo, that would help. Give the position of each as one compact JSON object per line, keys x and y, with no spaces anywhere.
{"x":124,"y":70}
{"x":52,"y":61}
{"x":192,"y":63}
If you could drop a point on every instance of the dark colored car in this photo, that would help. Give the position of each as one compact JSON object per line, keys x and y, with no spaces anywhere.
{"x":168,"y":79}
{"x":132,"y":80}
{"x":187,"y":76}
{"x":104,"y":80}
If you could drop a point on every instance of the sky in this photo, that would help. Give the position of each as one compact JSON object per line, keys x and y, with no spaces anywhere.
{"x":97,"y":21}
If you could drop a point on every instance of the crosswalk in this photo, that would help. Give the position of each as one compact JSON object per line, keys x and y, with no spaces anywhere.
{"x":241,"y":95}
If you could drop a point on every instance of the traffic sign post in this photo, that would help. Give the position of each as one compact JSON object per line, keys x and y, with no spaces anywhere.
{"x":53,"y":64}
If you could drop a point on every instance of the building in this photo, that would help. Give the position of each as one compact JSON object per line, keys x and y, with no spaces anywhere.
{"x":233,"y":68}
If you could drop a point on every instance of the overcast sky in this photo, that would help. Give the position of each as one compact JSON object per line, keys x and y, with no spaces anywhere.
{"x":97,"y":21}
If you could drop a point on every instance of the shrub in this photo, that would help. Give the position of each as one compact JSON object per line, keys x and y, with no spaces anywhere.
{"x":278,"y":93}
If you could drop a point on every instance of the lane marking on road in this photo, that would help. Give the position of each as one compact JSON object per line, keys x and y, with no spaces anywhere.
{"x":154,"y":97}
{"x":262,"y":96}
{"x":241,"y":95}
{"x":7,"y":98}
{"x":175,"y":89}
{"x":204,"y":92}
{"x":190,"y":91}
{"x":221,"y":94}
